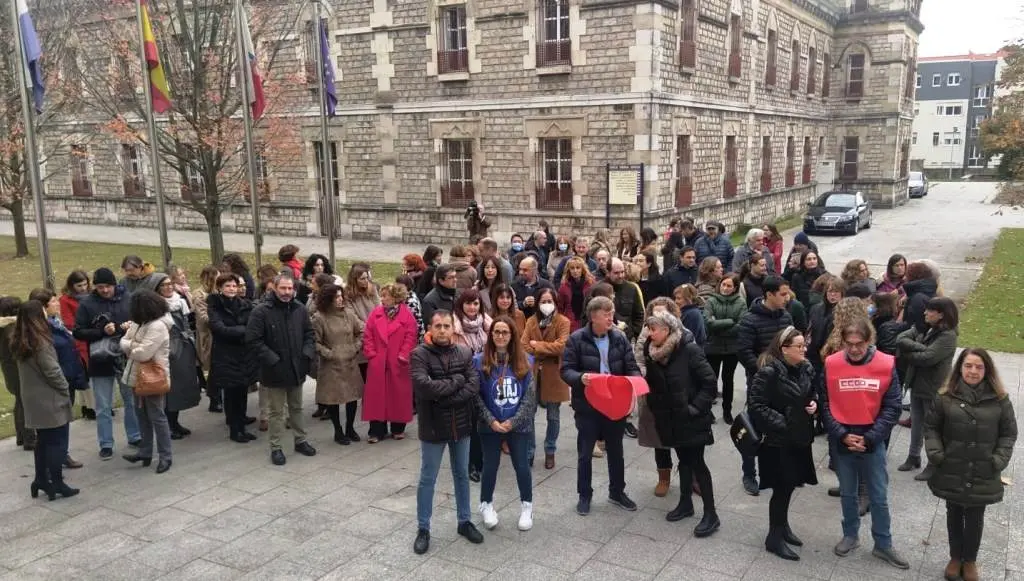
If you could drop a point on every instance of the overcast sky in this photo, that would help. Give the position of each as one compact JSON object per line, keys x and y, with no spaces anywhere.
{"x":954,"y":27}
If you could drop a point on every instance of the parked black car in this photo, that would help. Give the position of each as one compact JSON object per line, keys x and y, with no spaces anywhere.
{"x":838,"y":211}
{"x":917,"y":184}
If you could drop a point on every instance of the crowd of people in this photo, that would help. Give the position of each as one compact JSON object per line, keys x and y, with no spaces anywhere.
{"x":473,"y":345}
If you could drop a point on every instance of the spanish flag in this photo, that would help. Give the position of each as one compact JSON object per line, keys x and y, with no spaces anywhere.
{"x":157,"y":81}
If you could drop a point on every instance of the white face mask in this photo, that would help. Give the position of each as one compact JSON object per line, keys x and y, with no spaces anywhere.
{"x":547,"y":308}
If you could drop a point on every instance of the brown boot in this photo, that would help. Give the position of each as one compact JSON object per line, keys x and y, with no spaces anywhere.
{"x":664,"y":480}
{"x":952,"y":572}
{"x":970,"y":571}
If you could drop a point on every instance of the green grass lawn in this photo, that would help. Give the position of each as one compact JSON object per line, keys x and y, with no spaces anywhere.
{"x":993,"y":314}
{"x":18,"y":276}
{"x":783,"y":223}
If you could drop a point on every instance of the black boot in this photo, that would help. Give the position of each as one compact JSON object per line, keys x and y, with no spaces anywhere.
{"x":790,"y":538}
{"x":684,"y":508}
{"x":776,"y":544}
{"x":708,"y":525}
{"x":341,"y":438}
{"x":59,"y":487}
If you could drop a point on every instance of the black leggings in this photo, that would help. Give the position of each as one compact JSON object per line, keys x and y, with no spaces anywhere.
{"x":964,"y":524}
{"x":778,"y":506}
{"x":691,"y":467}
{"x":350,"y":415}
{"x":725,"y":369}
{"x":172,"y":420}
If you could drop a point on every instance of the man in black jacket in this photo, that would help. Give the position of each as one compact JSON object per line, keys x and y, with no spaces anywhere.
{"x":683,"y":273}
{"x":103,"y":317}
{"x":442,"y":296}
{"x":280,"y":335}
{"x":628,"y":303}
{"x":445,"y":384}
{"x":598,"y":348}
{"x":526,"y":286}
{"x":757,"y":327}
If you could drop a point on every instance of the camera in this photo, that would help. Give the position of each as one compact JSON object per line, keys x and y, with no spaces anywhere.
{"x":101,"y":320}
{"x":472,"y":209}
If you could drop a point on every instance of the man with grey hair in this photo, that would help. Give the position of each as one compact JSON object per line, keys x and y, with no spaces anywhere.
{"x":603,"y":258}
{"x":280,"y":335}
{"x":598,"y":348}
{"x":488,"y":248}
{"x":528,"y":283}
{"x":753,"y":246}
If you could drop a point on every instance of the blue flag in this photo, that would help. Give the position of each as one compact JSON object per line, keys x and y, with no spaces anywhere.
{"x":325,"y":58}
{"x":30,"y":46}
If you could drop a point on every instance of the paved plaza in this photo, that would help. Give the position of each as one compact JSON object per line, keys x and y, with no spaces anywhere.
{"x":224,"y":512}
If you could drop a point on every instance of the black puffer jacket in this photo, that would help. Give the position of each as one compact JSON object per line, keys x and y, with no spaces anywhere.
{"x":919,"y":292}
{"x":821,"y":328}
{"x":682,"y":392}
{"x":776,"y":400}
{"x":888,"y":329}
{"x":93,"y":313}
{"x":969,"y":438}
{"x":756,"y":329}
{"x":230,"y":362}
{"x":802,"y":282}
{"x":280,"y":336}
{"x":582,"y":356}
{"x":446,"y":385}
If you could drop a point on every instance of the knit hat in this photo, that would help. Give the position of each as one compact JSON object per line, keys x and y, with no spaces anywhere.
{"x":104,"y":275}
{"x":153,"y":281}
{"x":801,"y":238}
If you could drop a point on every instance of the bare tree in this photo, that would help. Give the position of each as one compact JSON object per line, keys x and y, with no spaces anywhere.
{"x":52,"y":21}
{"x":201,"y":137}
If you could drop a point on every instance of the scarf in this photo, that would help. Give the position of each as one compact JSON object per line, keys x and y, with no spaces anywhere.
{"x":182,"y":289}
{"x":473,"y":332}
{"x":391,"y":312}
{"x":661,"y":354}
{"x":177,"y":303}
{"x":57,"y":323}
{"x":545,"y":321}
{"x":576,"y":286}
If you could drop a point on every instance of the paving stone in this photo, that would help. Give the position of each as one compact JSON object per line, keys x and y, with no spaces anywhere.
{"x":600,"y":570}
{"x":230,"y":524}
{"x":28,"y":548}
{"x":126,"y":569}
{"x":438,"y":568}
{"x":89,"y":524}
{"x":281,"y":570}
{"x":522,"y":568}
{"x":100,"y":549}
{"x":558,"y":551}
{"x":329,"y":550}
{"x":175,"y":551}
{"x":202,"y":569}
{"x":677,"y":572}
{"x":346,"y":501}
{"x":160,"y":524}
{"x":374,"y":524}
{"x":280,"y":500}
{"x":213,"y":501}
{"x":302,"y":524}
{"x":719,"y":555}
{"x":251,"y":551}
{"x":644,"y":554}
{"x":323,"y":480}
{"x":26,"y":521}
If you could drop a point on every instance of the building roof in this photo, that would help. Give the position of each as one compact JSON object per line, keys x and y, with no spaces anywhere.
{"x":971,"y":56}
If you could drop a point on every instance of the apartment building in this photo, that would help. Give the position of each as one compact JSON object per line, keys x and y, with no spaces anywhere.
{"x":735,"y":108}
{"x":954,"y":96}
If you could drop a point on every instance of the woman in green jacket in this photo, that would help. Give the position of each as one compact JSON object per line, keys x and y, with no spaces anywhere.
{"x":722,"y":312}
{"x":969,"y":434}
{"x":928,"y":358}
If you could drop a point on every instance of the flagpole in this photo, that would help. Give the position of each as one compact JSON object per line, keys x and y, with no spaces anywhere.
{"x":31,"y":155}
{"x":250,"y":149}
{"x":325,"y":144}
{"x":154,"y":155}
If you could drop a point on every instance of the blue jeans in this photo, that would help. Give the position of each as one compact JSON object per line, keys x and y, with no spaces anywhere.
{"x":430,"y":463}
{"x":518,"y":444}
{"x":554,"y":414}
{"x":867,"y":467}
{"x":103,"y":391}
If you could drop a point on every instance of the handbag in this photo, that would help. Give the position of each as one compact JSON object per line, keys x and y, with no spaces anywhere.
{"x":745,"y":435}
{"x":151,"y":379}
{"x":105,"y":350}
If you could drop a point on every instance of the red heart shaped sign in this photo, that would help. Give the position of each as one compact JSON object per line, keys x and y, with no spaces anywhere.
{"x":613,"y":395}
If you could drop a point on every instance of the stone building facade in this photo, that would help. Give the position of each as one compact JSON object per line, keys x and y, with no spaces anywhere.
{"x":732,"y":106}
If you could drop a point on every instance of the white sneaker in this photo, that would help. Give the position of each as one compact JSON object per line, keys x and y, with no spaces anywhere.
{"x":526,"y":517}
{"x":489,"y":515}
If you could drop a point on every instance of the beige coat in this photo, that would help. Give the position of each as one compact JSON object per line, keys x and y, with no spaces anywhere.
{"x":44,"y":390}
{"x":204,"y":339}
{"x":339,"y":343}
{"x":149,"y":342}
{"x":547,"y":357}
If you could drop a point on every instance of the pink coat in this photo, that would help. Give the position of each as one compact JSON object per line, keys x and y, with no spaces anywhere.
{"x":387,"y":345}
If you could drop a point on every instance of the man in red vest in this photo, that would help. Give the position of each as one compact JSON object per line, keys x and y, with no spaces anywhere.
{"x":862,"y":406}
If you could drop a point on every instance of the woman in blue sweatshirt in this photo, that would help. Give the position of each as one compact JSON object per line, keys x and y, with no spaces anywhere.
{"x":508,"y":401}
{"x":690,"y":303}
